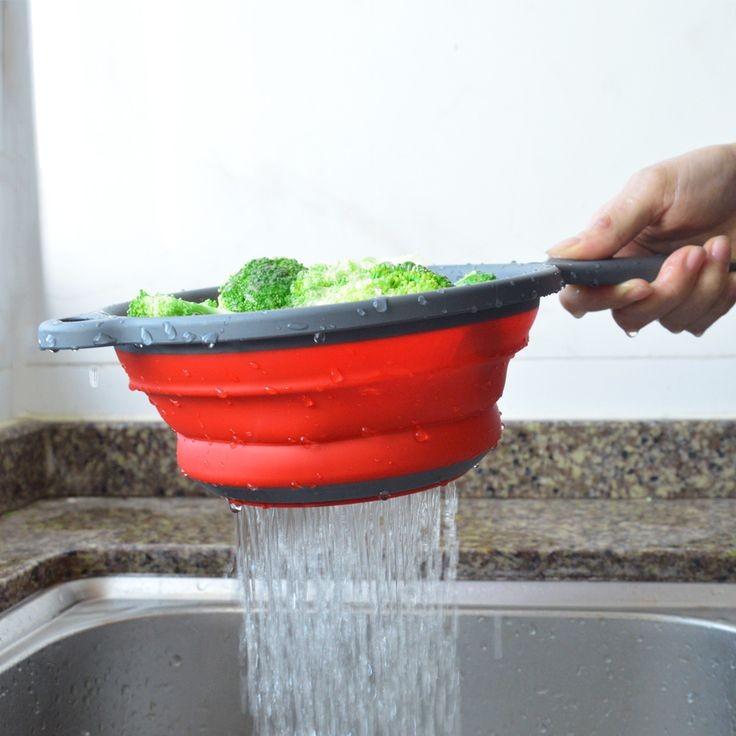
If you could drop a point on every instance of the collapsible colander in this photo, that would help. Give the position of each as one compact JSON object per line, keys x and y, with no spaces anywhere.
{"x":340,"y":403}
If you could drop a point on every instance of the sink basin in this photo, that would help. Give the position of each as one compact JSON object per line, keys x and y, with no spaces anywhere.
{"x":149,"y":655}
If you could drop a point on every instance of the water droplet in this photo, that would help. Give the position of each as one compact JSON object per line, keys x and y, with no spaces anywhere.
{"x":175,"y":402}
{"x":170,"y":330}
{"x":253,"y":364}
{"x":632,"y":333}
{"x":297,"y":326}
{"x":221,"y":392}
{"x":307,"y":401}
{"x":50,"y":341}
{"x":691,"y":697}
{"x":102,"y":339}
{"x":421,"y":299}
{"x":336,"y":376}
{"x":210,"y":339}
{"x":271,"y":390}
{"x":319,"y":337}
{"x":146,"y":337}
{"x":420,"y":435}
{"x":365,"y":432}
{"x":294,"y":484}
{"x":189,"y":336}
{"x":384,"y":496}
{"x":94,"y":376}
{"x":380,"y":304}
{"x":303,"y":440}
{"x":175,"y":661}
{"x":361,"y":312}
{"x":236,"y":508}
{"x":186,"y":372}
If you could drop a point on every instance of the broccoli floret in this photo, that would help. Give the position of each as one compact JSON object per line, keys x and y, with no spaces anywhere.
{"x":475,"y":277}
{"x":332,"y":283}
{"x":166,"y":305}
{"x":263,"y":283}
{"x":352,"y":281}
{"x":406,"y":278}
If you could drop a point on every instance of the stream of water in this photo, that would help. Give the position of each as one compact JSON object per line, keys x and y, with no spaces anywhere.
{"x":349,"y":626}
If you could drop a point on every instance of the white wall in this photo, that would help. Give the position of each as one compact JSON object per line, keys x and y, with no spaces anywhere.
{"x":177,"y":139}
{"x":21,"y":292}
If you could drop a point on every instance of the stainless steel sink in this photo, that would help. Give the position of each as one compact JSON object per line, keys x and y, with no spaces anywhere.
{"x":140,"y":656}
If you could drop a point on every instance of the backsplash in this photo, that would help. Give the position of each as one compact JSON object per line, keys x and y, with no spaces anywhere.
{"x":533,"y":460}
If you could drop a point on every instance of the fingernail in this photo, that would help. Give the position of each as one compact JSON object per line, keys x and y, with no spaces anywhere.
{"x":563,"y":245}
{"x":720,"y":251}
{"x":694,"y":259}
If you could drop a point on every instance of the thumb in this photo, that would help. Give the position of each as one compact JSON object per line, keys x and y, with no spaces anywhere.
{"x":617,"y":223}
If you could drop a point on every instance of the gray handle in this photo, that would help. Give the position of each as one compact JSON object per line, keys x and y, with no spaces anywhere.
{"x":611,"y":270}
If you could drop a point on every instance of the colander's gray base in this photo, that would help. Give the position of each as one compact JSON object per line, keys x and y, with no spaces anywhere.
{"x":370,"y":490}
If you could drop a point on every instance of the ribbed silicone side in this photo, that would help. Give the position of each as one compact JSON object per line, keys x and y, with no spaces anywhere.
{"x":331,"y":415}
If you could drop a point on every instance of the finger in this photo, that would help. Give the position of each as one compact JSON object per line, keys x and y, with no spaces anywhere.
{"x":711,"y":282}
{"x":721,"y":307}
{"x":581,"y":299}
{"x":676,"y":279}
{"x":639,"y":204}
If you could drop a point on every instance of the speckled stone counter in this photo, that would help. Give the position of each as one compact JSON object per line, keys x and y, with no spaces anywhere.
{"x":53,"y":541}
{"x":556,"y":500}
{"x":687,"y":540}
{"x":693,"y":459}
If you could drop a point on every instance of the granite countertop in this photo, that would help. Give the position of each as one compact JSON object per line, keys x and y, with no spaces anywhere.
{"x":559,"y":500}
{"x":50,"y":541}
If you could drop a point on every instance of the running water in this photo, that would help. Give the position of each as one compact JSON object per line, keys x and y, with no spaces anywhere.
{"x":350,"y":629}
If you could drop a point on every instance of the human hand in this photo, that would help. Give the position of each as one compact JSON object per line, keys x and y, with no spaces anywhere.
{"x":685,"y":206}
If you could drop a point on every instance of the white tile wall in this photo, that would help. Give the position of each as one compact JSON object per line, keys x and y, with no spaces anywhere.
{"x":177,"y":139}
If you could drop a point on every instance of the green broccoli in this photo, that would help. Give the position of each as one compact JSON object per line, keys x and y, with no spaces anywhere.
{"x":276,"y":283}
{"x":166,"y":305}
{"x":352,"y":281}
{"x":263,"y":283}
{"x":475,"y":277}
{"x":406,"y":278}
